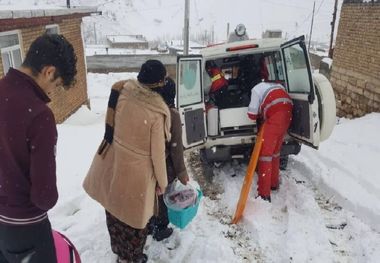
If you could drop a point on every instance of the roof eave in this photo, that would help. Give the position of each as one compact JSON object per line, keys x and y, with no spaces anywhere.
{"x":32,"y":13}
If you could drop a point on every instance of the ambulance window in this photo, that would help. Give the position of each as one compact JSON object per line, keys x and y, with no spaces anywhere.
{"x":274,"y":66}
{"x":206,"y":82}
{"x":297,"y":69}
{"x":189,"y":90}
{"x":279,"y":67}
{"x":271,"y":68}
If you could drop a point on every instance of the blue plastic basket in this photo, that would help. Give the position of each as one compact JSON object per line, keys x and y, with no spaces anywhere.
{"x":181,"y":218}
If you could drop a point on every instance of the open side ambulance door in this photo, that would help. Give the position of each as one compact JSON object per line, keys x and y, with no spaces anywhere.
{"x":305,"y":123}
{"x":190,"y":100}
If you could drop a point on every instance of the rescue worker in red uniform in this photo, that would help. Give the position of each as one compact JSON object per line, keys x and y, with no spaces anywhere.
{"x":218,"y":83}
{"x":270,"y":104}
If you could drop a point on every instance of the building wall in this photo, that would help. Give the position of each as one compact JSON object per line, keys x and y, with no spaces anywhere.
{"x":64,"y":102}
{"x":355,"y":74}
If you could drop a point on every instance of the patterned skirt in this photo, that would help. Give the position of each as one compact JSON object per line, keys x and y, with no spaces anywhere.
{"x":126,"y":242}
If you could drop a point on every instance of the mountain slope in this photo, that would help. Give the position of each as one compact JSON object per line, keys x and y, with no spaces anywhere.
{"x":164,"y":19}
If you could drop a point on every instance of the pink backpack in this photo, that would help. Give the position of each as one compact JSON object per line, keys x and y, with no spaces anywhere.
{"x":65,"y":250}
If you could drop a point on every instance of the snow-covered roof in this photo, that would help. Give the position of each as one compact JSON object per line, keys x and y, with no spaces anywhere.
{"x":22,"y":11}
{"x":273,"y":30}
{"x":93,"y":50}
{"x":125,"y":39}
{"x":179,"y":44}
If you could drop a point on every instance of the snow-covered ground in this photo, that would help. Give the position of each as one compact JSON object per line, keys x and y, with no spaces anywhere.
{"x":327,"y":208}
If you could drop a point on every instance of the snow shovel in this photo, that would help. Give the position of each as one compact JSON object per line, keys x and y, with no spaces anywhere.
{"x":249,"y":177}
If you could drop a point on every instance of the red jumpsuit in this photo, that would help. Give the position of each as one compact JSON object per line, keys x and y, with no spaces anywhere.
{"x":271,"y":103}
{"x":217,"y":79}
{"x":219,"y":85}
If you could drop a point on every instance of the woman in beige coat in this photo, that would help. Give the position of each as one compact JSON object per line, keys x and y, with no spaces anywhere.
{"x":129,"y":167}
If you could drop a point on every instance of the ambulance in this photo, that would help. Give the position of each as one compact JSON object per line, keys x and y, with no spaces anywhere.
{"x":225,"y":132}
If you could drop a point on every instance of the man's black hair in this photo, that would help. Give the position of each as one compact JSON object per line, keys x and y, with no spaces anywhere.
{"x":52,"y":50}
{"x":210,"y":64}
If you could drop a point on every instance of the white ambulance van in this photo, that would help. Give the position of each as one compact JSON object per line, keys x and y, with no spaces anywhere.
{"x":224,"y":133}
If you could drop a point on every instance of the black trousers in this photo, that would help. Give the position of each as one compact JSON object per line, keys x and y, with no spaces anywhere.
{"x":30,"y":243}
{"x":162,"y":220}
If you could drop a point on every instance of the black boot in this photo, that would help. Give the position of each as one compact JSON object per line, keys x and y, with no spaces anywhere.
{"x":266,"y":198}
{"x":142,"y":259}
{"x":162,"y":233}
{"x":139,"y":259}
{"x":152,"y":225}
{"x":274,"y":188}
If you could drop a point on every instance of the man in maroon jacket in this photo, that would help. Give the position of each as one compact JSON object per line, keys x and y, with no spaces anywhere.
{"x":28,"y":137}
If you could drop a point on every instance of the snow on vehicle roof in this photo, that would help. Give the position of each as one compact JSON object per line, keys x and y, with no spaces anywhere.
{"x":263,"y":45}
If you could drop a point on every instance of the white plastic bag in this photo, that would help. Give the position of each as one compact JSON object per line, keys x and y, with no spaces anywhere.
{"x":179,"y":196}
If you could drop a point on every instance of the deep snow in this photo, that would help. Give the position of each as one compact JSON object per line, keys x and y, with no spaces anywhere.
{"x":327,"y":208}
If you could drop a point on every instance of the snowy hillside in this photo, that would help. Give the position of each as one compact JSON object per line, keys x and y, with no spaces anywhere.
{"x":327,"y":208}
{"x":163,"y":19}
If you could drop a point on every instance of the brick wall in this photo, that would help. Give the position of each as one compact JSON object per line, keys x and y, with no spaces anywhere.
{"x":64,"y":102}
{"x":355,"y":74}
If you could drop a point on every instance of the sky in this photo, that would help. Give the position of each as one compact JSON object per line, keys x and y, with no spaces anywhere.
{"x":326,"y":210}
{"x":164,"y":18}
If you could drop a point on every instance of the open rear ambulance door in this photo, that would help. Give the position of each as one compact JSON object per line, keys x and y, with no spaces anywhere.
{"x":305,"y":123}
{"x":190,"y":100}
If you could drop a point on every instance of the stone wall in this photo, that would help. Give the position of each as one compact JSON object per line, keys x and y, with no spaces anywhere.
{"x":64,"y":102}
{"x":128,"y":63}
{"x":355,"y":74}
